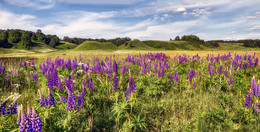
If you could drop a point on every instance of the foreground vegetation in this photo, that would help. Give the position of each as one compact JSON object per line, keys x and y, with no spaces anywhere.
{"x":139,"y":92}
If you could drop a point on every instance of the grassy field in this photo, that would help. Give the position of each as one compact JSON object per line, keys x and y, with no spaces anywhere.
{"x":158,"y":104}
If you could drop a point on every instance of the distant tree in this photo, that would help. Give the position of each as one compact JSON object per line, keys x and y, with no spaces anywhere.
{"x":170,"y":39}
{"x":14,"y":36}
{"x":177,"y":38}
{"x":25,"y":40}
{"x":66,"y":39}
{"x":3,"y":38}
{"x":33,"y":37}
{"x":54,"y":41}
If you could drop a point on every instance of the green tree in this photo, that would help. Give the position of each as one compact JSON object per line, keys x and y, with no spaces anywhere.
{"x":177,"y":38}
{"x":26,"y":40}
{"x":14,"y":36}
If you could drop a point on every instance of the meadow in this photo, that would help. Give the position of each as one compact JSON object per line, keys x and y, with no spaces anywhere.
{"x":129,"y":90}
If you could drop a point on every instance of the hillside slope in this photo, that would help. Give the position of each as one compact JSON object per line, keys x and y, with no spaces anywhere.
{"x":94,"y":45}
{"x":135,"y":45}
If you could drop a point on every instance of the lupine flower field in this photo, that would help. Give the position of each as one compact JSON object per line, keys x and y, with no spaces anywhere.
{"x":139,"y":92}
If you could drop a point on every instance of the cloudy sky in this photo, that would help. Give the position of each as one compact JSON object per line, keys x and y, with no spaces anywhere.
{"x":137,"y":19}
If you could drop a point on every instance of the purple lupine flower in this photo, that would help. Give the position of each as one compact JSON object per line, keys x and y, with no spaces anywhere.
{"x":90,"y":84}
{"x":171,"y":79}
{"x":60,"y":85}
{"x":25,"y":124}
{"x":35,"y":121}
{"x":80,"y":101}
{"x":131,"y":86}
{"x":220,"y":70}
{"x":246,"y":65}
{"x":71,"y":102}
{"x":149,"y":66}
{"x":230,"y":79}
{"x":74,"y":64}
{"x":115,"y":67}
{"x":7,"y":77}
{"x":209,"y":68}
{"x":35,"y":76}
{"x":256,"y":106}
{"x":143,"y":70}
{"x":62,"y":99}
{"x":43,"y":100}
{"x":225,"y":73}
{"x":115,"y":84}
{"x":194,"y":83}
{"x":191,"y":76}
{"x":12,"y":108}
{"x":50,"y":99}
{"x":176,"y":76}
{"x":29,"y":111}
{"x":257,"y":89}
{"x":248,"y":100}
{"x":253,"y":85}
{"x":256,"y":62}
{"x":18,"y":118}
{"x":3,"y":106}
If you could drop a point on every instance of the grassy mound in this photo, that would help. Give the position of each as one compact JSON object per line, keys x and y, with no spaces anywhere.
{"x":66,"y":45}
{"x":39,"y":47}
{"x":135,"y":45}
{"x":93,"y":45}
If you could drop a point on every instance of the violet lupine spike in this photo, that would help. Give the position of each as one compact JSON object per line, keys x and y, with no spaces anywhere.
{"x":43,"y":100}
{"x":80,"y":101}
{"x":220,"y":70}
{"x":256,"y":62}
{"x":35,"y":120}
{"x":115,"y":67}
{"x":90,"y":84}
{"x":257,"y":89}
{"x":62,"y":99}
{"x":18,"y":118}
{"x":209,"y":68}
{"x":3,"y":106}
{"x":50,"y":99}
{"x":248,"y":100}
{"x":176,"y":76}
{"x":225,"y":73}
{"x":256,"y":106}
{"x":171,"y":78}
{"x":194,"y":83}
{"x":191,"y":75}
{"x":115,"y":84}
{"x":230,"y":79}
{"x":29,"y":110}
{"x":60,"y":85}
{"x":253,"y":85}
{"x":143,"y":70}
{"x":71,"y":102}
{"x":35,"y":76}
{"x":25,"y":124}
{"x":12,"y":108}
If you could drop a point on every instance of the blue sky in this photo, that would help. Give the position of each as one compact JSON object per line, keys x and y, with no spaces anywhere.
{"x":137,"y":19}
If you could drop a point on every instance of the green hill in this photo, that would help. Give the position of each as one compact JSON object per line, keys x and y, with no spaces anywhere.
{"x":66,"y":45}
{"x":135,"y":45}
{"x":40,"y":47}
{"x":94,"y":45}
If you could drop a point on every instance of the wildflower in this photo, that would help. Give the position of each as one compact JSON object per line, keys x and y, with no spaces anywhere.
{"x":35,"y":120}
{"x":230,"y":79}
{"x":176,"y":76}
{"x":257,"y":89}
{"x":62,"y":98}
{"x":71,"y":102}
{"x":12,"y":108}
{"x":115,"y":67}
{"x":43,"y":100}
{"x":3,"y":106}
{"x":171,"y":79}
{"x":90,"y":84}
{"x":115,"y":84}
{"x":220,"y":70}
{"x":60,"y":85}
{"x":248,"y":100}
{"x":131,"y":86}
{"x":256,"y":106}
{"x":80,"y":101}
{"x":25,"y":124}
{"x":50,"y":99}
{"x":194,"y":83}
{"x":256,"y":62}
{"x":253,"y":85}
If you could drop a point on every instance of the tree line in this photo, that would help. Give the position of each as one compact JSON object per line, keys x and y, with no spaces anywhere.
{"x":24,"y":39}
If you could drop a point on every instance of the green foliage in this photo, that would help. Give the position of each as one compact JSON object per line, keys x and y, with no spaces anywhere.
{"x":92,"y":45}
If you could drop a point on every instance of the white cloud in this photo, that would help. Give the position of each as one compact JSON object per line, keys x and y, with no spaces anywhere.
{"x":180,"y":9}
{"x":257,"y":27}
{"x":245,"y":18}
{"x":101,"y":1}
{"x":16,"y":21}
{"x":35,"y":4}
{"x":198,"y":12}
{"x":231,"y":32}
